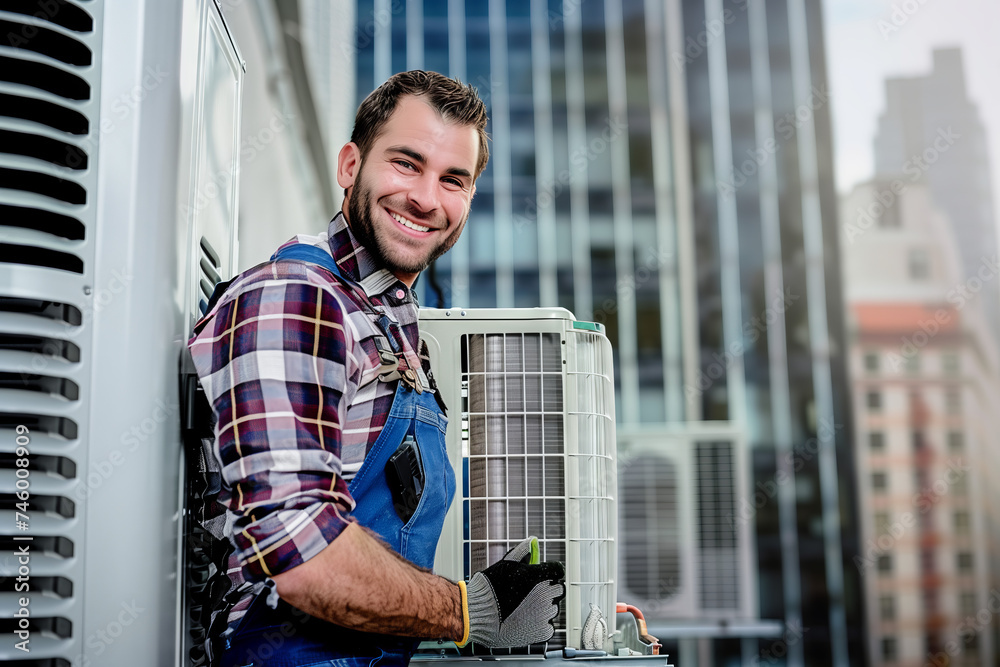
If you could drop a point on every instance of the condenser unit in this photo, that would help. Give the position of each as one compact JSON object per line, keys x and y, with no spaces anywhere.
{"x":685,"y":540}
{"x":530,"y":394}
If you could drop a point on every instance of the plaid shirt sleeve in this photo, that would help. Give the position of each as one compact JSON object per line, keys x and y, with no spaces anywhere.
{"x":277,"y":365}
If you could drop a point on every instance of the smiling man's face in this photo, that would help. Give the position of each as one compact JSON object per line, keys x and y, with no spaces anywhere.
{"x":408,"y":200}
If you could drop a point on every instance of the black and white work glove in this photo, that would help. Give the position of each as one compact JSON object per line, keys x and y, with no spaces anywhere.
{"x":512,"y":602}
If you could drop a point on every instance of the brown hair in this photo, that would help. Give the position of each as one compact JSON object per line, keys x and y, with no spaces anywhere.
{"x":455,"y":101}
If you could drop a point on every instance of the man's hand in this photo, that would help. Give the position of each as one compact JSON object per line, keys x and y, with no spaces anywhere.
{"x":512,"y":602}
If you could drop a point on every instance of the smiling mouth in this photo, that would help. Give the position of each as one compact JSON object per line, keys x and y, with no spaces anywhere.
{"x":406,"y":223}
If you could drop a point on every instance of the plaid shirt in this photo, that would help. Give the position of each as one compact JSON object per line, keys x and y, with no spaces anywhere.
{"x":289,"y":362}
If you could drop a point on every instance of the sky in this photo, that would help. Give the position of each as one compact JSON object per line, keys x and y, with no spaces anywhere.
{"x":866,"y":45}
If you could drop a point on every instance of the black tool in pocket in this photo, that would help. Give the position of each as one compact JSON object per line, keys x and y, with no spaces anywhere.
{"x":404,"y":473}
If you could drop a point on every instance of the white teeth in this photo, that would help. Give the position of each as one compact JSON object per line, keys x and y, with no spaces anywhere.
{"x":406,"y":223}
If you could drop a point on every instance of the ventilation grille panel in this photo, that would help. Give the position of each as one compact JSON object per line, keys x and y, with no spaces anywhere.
{"x":49,"y":114}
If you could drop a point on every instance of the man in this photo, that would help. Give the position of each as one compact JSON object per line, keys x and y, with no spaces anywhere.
{"x":315,"y":372}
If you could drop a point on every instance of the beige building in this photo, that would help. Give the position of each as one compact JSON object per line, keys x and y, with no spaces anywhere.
{"x":925,"y":379}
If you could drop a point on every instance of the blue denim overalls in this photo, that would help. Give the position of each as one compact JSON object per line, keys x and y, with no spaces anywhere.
{"x":288,"y":637}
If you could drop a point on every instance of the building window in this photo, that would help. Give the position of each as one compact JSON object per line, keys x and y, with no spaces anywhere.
{"x":880,"y":482}
{"x":956,"y":441}
{"x":881,"y":522}
{"x":953,"y":401}
{"x":960,"y":487}
{"x":887,"y":607}
{"x":967,"y":603}
{"x":884,"y":564}
{"x":918,"y":440}
{"x":950,"y":363}
{"x":912,"y":364}
{"x":962,"y":522}
{"x":889,"y":649}
{"x":920,"y":264}
{"x":876,"y":441}
{"x":963,"y":562}
{"x":871,"y":362}
{"x":873,"y":400}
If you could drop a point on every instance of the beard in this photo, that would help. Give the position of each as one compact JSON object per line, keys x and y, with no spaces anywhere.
{"x":379,"y":240}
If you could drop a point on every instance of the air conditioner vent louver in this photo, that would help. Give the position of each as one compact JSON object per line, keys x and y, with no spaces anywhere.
{"x":41,"y":345}
{"x":60,"y":587}
{"x":52,"y":310}
{"x":53,"y":465}
{"x":57,"y":224}
{"x":717,"y":543}
{"x":535,"y":450}
{"x":43,"y":384}
{"x":59,"y":153}
{"x":45,"y":41}
{"x":210,"y":266}
{"x":44,"y":112}
{"x":46,"y":545}
{"x":45,"y":77}
{"x":59,"y":189}
{"x":53,"y":625}
{"x":649,"y":535}
{"x":67,"y":14}
{"x":44,"y":662}
{"x":63,"y":427}
{"x":49,"y":154}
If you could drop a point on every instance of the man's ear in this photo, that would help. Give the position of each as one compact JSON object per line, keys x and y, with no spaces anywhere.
{"x":348,"y":164}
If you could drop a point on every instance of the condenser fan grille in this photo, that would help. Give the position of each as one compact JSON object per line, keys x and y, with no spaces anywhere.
{"x":514,"y":445}
{"x":538,"y":452}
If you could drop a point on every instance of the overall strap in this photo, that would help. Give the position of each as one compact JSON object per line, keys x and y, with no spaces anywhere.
{"x":309,"y":253}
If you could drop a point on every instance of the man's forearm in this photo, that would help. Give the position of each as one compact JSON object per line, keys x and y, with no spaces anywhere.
{"x":360,"y":583}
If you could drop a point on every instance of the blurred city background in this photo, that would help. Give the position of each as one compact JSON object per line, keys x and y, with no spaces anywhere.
{"x":783,"y":213}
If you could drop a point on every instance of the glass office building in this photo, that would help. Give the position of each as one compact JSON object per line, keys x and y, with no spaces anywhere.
{"x":665,"y":168}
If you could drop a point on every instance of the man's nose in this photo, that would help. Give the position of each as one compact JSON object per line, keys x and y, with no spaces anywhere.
{"x":424,"y":193}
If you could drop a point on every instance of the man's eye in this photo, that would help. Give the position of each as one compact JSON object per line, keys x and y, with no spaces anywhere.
{"x":406,"y":165}
{"x":454,"y":181}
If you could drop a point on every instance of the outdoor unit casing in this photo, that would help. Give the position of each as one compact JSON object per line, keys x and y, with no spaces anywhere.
{"x":530,"y":395}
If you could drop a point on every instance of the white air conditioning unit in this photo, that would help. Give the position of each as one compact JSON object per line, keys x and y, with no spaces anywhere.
{"x":685,"y":540}
{"x":530,"y":394}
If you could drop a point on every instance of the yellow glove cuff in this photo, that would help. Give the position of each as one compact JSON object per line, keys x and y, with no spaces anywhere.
{"x":465,"y":615}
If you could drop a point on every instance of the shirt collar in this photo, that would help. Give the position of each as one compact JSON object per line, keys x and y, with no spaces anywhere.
{"x":358,"y":263}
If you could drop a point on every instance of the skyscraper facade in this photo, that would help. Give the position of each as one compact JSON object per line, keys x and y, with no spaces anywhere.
{"x":930,"y":133}
{"x":665,"y":168}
